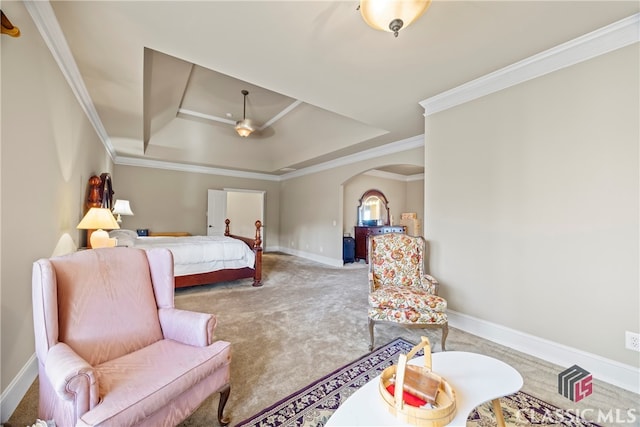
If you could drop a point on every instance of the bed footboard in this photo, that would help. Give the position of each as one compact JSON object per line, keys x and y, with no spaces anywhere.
{"x":255,"y":244}
{"x":231,"y":274}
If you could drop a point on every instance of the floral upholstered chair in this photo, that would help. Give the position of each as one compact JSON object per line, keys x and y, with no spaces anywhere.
{"x":399,"y":290}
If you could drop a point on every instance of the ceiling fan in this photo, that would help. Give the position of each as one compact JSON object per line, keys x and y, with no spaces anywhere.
{"x":245,"y":127}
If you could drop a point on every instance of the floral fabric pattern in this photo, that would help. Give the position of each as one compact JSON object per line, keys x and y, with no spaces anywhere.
{"x":401,"y":298}
{"x":397,"y":260}
{"x":408,"y":316}
{"x":400,"y":291}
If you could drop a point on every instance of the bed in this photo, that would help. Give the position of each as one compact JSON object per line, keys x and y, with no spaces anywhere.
{"x":198,"y":260}
{"x":204,"y":259}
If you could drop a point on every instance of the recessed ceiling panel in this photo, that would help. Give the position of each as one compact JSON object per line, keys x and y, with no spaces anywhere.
{"x":215,"y":94}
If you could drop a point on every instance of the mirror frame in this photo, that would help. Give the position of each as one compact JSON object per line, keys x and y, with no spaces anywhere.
{"x":363,"y":199}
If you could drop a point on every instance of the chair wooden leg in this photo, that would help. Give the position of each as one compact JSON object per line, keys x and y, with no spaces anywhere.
{"x":371,"y":323}
{"x":445,"y":332}
{"x":224,"y":396}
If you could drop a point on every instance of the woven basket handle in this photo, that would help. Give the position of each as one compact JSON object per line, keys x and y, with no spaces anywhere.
{"x":402,"y":366}
{"x":399,"y":386}
{"x":424,"y":343}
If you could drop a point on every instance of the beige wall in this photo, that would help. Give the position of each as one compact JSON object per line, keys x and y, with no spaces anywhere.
{"x":49,"y":150}
{"x":532,"y":206}
{"x":415,"y":198}
{"x":166,"y":200}
{"x":307,"y":227}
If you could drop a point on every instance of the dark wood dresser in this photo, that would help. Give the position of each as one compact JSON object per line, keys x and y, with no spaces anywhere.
{"x":362,"y":232}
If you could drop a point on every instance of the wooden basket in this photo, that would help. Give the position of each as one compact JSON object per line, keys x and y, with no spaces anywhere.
{"x":445,"y":404}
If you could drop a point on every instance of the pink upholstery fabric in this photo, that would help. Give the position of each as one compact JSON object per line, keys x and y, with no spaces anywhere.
{"x":132,"y":387}
{"x":111,"y":347}
{"x":106,"y":305}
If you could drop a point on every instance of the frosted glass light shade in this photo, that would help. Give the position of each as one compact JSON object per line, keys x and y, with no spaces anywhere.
{"x":100,"y":239}
{"x":386,"y":15}
{"x":244,"y":127}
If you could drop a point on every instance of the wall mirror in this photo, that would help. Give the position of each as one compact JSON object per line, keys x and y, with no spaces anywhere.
{"x":373,"y":209}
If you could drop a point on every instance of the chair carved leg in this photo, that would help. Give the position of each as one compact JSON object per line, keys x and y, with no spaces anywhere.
{"x":445,"y":332}
{"x":224,"y":396}
{"x":371,"y":323}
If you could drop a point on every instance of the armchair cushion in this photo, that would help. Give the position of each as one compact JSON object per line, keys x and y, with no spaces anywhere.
{"x":401,"y":298}
{"x":175,"y":368}
{"x":407,"y":316}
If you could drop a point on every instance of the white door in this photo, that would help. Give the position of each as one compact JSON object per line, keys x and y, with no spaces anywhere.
{"x":216,"y":212}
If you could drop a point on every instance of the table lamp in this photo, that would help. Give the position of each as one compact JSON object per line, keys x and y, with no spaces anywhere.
{"x":98,"y":219}
{"x":122,"y":207}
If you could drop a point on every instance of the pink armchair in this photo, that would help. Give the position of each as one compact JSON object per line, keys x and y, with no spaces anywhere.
{"x":113,"y":350}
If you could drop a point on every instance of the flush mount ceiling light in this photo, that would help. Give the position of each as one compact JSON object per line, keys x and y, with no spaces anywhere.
{"x":244,"y":127}
{"x":392,"y":15}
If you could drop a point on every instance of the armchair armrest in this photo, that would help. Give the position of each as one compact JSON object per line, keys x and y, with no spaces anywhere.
{"x":372,"y":283}
{"x":72,"y":378}
{"x":187,"y":327}
{"x":430,"y":284}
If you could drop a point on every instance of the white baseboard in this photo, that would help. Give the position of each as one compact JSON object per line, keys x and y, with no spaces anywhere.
{"x":313,"y":257}
{"x":609,"y":371}
{"x":14,"y":393}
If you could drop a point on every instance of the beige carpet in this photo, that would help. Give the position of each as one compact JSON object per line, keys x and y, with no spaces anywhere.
{"x":308,"y":320}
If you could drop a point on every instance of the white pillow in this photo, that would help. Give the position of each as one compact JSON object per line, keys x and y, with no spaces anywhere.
{"x":124,"y":237}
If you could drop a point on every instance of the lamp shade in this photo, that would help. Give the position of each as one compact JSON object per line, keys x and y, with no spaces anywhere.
{"x":121,"y":207}
{"x":392,"y":15}
{"x":97,"y":219}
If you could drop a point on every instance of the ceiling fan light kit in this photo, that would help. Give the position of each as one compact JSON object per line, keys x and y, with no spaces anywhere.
{"x":245,"y":126}
{"x":392,"y":15}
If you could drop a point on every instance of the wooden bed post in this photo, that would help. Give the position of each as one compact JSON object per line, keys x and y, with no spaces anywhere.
{"x":256,"y":245}
{"x":257,"y":249}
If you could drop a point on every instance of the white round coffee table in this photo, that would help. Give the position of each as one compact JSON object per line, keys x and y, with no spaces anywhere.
{"x":475,"y":378}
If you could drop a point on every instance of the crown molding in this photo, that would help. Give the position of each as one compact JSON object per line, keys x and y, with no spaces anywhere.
{"x":268,"y":123}
{"x":372,"y":153}
{"x":394,"y":176}
{"x":159,"y":164}
{"x":45,"y":20}
{"x":606,"y":39}
{"x":206,"y":116}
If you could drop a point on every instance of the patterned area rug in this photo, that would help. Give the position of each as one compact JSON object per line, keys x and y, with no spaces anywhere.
{"x":314,"y":404}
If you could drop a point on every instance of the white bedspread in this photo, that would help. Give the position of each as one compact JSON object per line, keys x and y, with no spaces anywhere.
{"x":201,"y":254}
